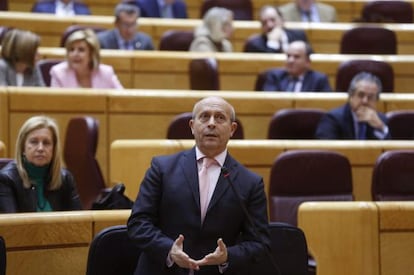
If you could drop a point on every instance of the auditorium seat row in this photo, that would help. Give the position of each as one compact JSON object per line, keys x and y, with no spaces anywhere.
{"x":324,"y":37}
{"x":370,"y":238}
{"x":54,"y":242}
{"x":146,"y":114}
{"x":347,"y":10}
{"x":111,"y":252}
{"x":237,"y":71}
{"x":300,"y":123}
{"x":129,"y":159}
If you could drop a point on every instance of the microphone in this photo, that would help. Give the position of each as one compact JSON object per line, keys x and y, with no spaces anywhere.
{"x":226,"y":175}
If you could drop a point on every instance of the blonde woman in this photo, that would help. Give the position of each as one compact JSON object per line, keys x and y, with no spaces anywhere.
{"x":36,"y":181}
{"x":18,"y":62}
{"x":82,"y":68}
{"x":213,"y":34}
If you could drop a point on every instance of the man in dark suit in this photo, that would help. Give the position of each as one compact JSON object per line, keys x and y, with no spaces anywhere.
{"x":274,"y":38}
{"x":358,"y":118}
{"x":176,"y":231}
{"x":61,"y":7}
{"x":163,"y":8}
{"x":125,"y":35}
{"x":308,"y":11}
{"x":297,"y":76}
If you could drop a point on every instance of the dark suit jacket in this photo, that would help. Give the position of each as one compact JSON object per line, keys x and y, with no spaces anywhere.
{"x":257,"y":43}
{"x":290,"y":12}
{"x":108,"y":40}
{"x":50,"y":7}
{"x":278,"y":79}
{"x":339,"y":124}
{"x":150,"y":8}
{"x":168,"y":205}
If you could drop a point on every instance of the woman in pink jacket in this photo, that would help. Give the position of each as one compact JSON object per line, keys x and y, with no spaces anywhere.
{"x":83,"y":69}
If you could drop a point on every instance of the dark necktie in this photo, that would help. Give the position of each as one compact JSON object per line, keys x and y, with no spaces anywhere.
{"x":362,"y":130}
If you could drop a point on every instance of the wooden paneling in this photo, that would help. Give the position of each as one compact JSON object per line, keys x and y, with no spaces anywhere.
{"x":237,"y":71}
{"x":4,"y":121}
{"x":146,"y":114}
{"x":374,"y":238}
{"x":62,"y":261}
{"x":60,"y":239}
{"x":129,"y":159}
{"x":2,"y":150}
{"x":342,"y":236}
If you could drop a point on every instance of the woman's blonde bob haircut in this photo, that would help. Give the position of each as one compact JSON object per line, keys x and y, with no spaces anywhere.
{"x":32,"y":124}
{"x":89,"y":36}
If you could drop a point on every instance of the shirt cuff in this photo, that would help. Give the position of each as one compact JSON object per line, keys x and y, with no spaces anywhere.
{"x":223,"y":267}
{"x":169,"y":261}
{"x":381,"y":134}
{"x":273,"y":44}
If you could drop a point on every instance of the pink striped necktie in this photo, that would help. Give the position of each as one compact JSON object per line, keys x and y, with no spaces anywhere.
{"x":204,"y":185}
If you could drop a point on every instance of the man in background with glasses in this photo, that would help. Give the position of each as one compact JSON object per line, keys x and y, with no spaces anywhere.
{"x":125,"y":35}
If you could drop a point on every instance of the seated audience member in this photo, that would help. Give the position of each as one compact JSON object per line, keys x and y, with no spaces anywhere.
{"x":213,"y":34}
{"x":61,"y":7}
{"x":308,"y":11}
{"x":163,"y":8}
{"x":274,"y":38}
{"x":125,"y":35}
{"x":36,"y":181}
{"x":18,"y":62}
{"x":358,"y":118}
{"x":297,"y":76}
{"x":82,"y":68}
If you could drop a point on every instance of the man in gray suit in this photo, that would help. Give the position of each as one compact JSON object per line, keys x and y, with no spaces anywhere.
{"x":125,"y":35}
{"x":308,"y":11}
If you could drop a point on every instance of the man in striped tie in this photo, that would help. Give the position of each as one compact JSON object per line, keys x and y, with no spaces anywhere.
{"x":190,"y":213}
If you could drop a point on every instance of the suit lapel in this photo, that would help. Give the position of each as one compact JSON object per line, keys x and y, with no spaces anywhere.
{"x":349,"y":122}
{"x":306,"y":82}
{"x":113,"y":41}
{"x":284,"y":82}
{"x":11,"y":75}
{"x":190,"y":171}
{"x":76,"y":8}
